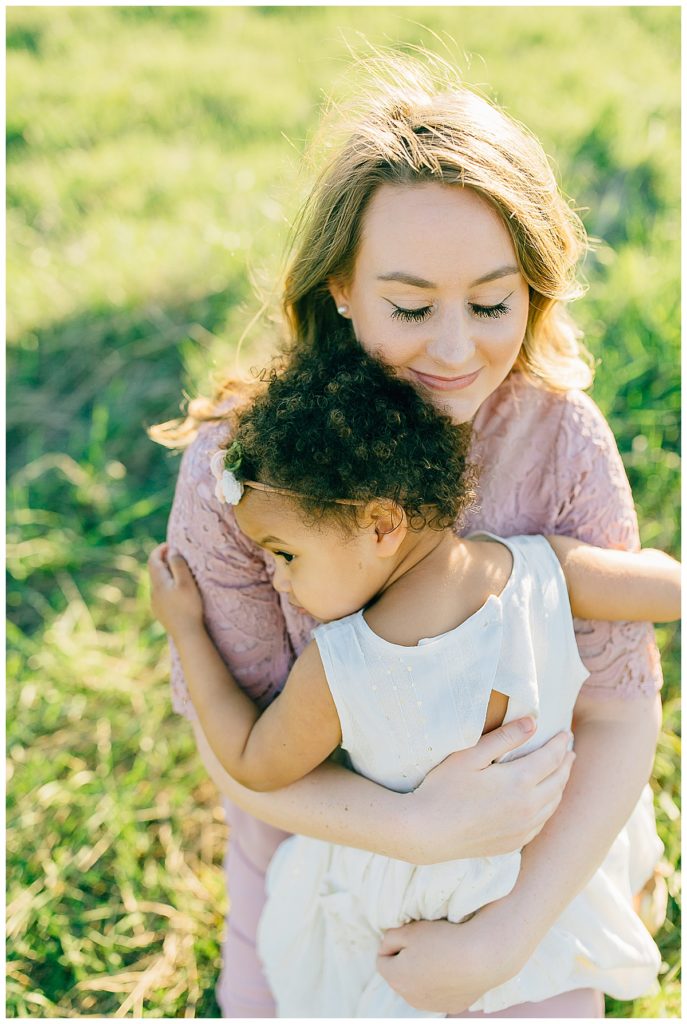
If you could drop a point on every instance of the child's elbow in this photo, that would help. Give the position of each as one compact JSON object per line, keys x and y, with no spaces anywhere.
{"x":263,"y":785}
{"x":255,"y":779}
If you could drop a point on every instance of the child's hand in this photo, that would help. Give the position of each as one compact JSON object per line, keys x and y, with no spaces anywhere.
{"x":175,"y":598}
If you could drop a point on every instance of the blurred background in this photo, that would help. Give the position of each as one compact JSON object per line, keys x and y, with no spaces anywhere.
{"x":154,"y":167}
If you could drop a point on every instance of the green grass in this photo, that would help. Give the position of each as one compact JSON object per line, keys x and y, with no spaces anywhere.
{"x":154,"y":164}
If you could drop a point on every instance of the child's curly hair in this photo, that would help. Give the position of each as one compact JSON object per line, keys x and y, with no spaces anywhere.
{"x":336,"y":422}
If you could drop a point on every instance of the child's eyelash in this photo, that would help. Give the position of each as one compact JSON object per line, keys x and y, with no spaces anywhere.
{"x":417,"y":315}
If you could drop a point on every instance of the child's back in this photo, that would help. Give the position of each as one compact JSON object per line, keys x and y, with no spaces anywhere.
{"x":444,"y":590}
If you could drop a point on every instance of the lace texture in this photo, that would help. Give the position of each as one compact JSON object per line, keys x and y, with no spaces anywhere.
{"x":548,"y":464}
{"x":256,"y":631}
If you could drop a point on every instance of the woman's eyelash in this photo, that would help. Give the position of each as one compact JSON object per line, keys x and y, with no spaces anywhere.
{"x":285,"y":555}
{"x":411,"y":315}
{"x":417,"y":315}
{"x":492,"y":312}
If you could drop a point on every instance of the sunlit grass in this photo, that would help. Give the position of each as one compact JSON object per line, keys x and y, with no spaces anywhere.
{"x":153,"y":168}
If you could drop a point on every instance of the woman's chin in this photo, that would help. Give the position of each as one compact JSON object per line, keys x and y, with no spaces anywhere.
{"x":460,"y":408}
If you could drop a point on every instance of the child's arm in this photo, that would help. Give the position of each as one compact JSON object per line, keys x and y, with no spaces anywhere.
{"x":261,"y":751}
{"x":624,"y":586}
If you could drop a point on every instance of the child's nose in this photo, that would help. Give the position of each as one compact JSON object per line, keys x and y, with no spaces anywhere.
{"x":279,"y":581}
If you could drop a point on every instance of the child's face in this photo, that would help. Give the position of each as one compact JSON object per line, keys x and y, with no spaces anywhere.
{"x":323,"y":573}
{"x":436,"y":292}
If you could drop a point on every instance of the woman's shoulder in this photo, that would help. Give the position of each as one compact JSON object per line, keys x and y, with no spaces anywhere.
{"x":211,"y":435}
{"x":539,"y":453}
{"x":518,"y":390}
{"x":209,"y":438}
{"x":520,"y":408}
{"x":197,"y":514}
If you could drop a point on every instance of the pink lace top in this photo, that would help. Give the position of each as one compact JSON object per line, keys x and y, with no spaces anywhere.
{"x":548,"y":464}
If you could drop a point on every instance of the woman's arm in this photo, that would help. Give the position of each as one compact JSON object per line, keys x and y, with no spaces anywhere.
{"x":642,"y":586}
{"x":615,"y":745}
{"x":616,"y":723}
{"x":441,"y":820}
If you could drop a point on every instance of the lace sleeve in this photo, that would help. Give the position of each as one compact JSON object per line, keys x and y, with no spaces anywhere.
{"x":597,"y":507}
{"x":241,"y":609}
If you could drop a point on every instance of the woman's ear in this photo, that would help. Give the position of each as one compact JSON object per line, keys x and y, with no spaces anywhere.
{"x":339,"y":293}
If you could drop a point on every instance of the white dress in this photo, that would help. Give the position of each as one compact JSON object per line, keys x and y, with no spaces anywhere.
{"x":402,"y":711}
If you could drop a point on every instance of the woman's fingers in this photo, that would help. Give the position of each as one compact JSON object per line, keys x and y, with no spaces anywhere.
{"x":555,"y":782}
{"x":550,"y":791}
{"x":392,"y":942}
{"x":499,"y":742}
{"x":539,"y":764}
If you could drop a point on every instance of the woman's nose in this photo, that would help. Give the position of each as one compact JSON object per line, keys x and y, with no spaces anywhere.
{"x":451,"y":345}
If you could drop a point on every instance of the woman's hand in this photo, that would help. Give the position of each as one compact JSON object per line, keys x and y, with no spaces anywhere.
{"x":446,"y":816}
{"x":175,"y":598}
{"x":415,"y":959}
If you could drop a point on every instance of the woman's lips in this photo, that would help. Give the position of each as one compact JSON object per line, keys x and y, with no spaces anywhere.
{"x":446,"y":383}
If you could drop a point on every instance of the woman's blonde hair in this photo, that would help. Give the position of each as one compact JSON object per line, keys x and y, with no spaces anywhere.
{"x":413,"y":122}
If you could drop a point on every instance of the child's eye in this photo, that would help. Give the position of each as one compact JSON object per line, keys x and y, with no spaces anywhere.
{"x":410,"y":315}
{"x":492,"y":312}
{"x":285,"y":555}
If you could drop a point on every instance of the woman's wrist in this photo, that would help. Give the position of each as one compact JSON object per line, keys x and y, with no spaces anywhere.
{"x":518,"y":934}
{"x":424,"y":834}
{"x":409,"y":836}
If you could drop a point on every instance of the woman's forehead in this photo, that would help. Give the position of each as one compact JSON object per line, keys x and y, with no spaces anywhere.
{"x":428,"y":224}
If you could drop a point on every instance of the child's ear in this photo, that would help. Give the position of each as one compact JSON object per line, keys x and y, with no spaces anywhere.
{"x":390,"y":527}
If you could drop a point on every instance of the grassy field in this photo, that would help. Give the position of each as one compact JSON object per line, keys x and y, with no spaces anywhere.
{"x":154,"y":164}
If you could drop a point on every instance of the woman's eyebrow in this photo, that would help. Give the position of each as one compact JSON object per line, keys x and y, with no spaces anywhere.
{"x":495,"y":274}
{"x":420,"y":282}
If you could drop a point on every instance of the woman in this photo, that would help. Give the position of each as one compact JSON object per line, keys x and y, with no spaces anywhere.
{"x":424,"y":178}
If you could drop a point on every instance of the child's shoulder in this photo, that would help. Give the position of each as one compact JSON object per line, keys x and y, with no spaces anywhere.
{"x":490,"y":564}
{"x":435,"y":602}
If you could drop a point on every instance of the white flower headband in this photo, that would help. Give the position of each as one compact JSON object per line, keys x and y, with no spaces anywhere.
{"x":226,"y":463}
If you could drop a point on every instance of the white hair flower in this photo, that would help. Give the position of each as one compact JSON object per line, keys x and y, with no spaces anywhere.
{"x":228,"y":489}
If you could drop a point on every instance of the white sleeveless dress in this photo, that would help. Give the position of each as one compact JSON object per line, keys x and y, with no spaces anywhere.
{"x":402,"y":711}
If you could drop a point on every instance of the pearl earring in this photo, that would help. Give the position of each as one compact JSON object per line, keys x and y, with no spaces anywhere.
{"x":342,"y":310}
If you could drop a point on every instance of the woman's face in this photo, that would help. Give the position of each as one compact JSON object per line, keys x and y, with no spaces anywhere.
{"x":437,"y":293}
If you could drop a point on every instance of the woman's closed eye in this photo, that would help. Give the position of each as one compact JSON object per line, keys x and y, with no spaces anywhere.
{"x":410,"y":315}
{"x":490,"y":312}
{"x":418,"y":315}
